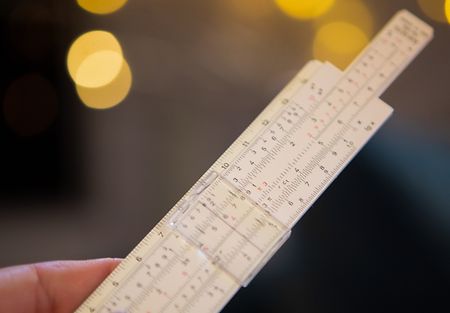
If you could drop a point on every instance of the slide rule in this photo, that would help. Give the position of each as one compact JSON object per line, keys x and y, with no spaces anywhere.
{"x":230,"y":223}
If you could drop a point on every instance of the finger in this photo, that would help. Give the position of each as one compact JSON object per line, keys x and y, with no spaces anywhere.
{"x":58,"y":286}
{"x":68,"y":283}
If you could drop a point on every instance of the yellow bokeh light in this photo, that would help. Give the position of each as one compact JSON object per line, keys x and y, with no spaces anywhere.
{"x":434,"y":9}
{"x":304,"y":9}
{"x":339,"y":43}
{"x":101,"y":6}
{"x":94,"y":59}
{"x":109,"y":95}
{"x":99,"y":69}
{"x":355,"y":12}
{"x":447,"y":10}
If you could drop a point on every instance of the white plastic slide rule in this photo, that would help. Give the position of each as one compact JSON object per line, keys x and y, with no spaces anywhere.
{"x":229,"y":224}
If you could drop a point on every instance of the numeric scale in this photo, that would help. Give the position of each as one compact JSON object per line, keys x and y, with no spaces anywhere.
{"x":238,"y":214}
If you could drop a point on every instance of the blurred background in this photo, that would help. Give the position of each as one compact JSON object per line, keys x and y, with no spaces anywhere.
{"x":111,"y":110}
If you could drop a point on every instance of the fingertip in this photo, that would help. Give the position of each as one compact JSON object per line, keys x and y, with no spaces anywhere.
{"x":109,"y":263}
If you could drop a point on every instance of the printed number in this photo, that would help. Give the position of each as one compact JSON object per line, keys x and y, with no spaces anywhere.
{"x":225,"y":166}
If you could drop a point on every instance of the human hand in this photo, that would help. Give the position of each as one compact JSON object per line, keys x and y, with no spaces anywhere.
{"x":51,"y":287}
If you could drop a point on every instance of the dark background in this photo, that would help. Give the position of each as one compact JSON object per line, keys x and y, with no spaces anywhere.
{"x":78,"y":183}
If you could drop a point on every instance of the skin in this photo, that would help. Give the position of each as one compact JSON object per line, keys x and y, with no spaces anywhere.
{"x":57,"y":286}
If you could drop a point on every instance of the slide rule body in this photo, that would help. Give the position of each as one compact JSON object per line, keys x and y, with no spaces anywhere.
{"x":229,"y":224}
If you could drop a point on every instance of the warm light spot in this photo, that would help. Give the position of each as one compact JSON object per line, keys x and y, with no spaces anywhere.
{"x":447,"y":10}
{"x":30,"y":105}
{"x":94,"y":59}
{"x":434,"y":9}
{"x":355,"y":12}
{"x":339,"y":43}
{"x":101,"y":6}
{"x":304,"y":9}
{"x":99,"y":69}
{"x":110,"y":95}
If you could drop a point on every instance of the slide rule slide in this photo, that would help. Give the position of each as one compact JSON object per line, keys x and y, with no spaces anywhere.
{"x":229,"y":224}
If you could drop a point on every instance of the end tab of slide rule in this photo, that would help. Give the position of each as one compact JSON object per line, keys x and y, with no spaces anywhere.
{"x":391,"y":51}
